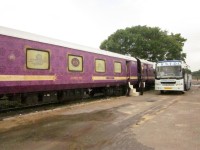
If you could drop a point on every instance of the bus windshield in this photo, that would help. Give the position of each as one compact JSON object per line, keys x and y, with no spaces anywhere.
{"x":168,"y":72}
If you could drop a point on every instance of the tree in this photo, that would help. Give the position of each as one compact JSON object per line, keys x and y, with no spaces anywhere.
{"x":196,"y":75}
{"x":147,"y":43}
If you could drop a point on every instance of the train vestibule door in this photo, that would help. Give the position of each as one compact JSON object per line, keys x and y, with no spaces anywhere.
{"x":128,"y":69}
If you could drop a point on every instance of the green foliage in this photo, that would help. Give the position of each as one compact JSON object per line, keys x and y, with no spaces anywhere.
{"x":196,"y":73}
{"x":146,"y":43}
{"x":188,"y":71}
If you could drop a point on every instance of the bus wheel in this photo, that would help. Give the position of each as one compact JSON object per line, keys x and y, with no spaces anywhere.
{"x":185,"y":87}
{"x":161,"y":92}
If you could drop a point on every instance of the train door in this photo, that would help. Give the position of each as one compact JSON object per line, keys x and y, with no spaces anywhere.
{"x":145,"y":71}
{"x":140,"y":85}
{"x":128,"y":69}
{"x":139,"y":70}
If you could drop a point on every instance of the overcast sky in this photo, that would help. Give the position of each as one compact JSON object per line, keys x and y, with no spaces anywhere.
{"x":89,"y":22}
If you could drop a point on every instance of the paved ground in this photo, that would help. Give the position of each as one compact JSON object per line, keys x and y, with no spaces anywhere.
{"x":152,"y":121}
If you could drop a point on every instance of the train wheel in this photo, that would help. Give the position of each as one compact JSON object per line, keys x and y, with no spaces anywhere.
{"x":78,"y":94}
{"x":10,"y":97}
{"x":40,"y":97}
{"x":91,"y":93}
{"x":106,"y":92}
{"x":109,"y":91}
{"x":23,"y":98}
{"x":123,"y":90}
{"x":60,"y":96}
{"x":1,"y":96}
{"x":117,"y":91}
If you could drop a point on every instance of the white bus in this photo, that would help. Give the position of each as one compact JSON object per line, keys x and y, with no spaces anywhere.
{"x":172,"y":75}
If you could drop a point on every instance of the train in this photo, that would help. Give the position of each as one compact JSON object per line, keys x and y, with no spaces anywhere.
{"x":36,"y":66}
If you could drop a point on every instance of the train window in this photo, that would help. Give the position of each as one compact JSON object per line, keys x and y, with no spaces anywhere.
{"x":100,"y":65}
{"x":37,"y":59}
{"x":117,"y":67}
{"x":75,"y":63}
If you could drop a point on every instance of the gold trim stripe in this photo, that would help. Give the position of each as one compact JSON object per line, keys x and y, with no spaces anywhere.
{"x":112,"y":78}
{"x":120,"y":78}
{"x":27,"y":77}
{"x":99,"y":78}
{"x":133,"y":77}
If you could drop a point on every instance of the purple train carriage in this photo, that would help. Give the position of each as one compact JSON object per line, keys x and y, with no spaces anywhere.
{"x":39,"y":66}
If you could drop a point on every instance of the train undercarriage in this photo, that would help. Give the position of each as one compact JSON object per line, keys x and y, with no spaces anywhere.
{"x":9,"y":101}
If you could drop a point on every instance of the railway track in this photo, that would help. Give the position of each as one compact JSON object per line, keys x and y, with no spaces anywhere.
{"x":11,"y":110}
